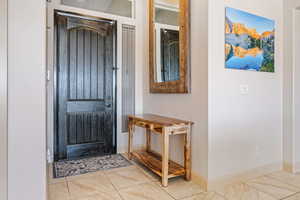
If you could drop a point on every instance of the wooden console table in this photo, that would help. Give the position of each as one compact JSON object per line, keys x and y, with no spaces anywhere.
{"x":165,"y":127}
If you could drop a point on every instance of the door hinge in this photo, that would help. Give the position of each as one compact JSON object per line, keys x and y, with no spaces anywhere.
{"x":48,"y":75}
{"x":48,"y":1}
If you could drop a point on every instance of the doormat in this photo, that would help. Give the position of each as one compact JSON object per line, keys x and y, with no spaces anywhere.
{"x":87,"y":165}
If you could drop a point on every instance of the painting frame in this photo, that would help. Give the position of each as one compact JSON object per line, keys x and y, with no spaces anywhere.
{"x":249,"y":41}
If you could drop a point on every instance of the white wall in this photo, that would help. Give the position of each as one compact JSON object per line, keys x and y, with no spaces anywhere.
{"x":3,"y":100}
{"x":245,"y":131}
{"x":26,"y":105}
{"x":187,"y":106}
{"x":238,"y":132}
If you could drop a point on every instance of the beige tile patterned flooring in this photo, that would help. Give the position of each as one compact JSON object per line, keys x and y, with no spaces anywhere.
{"x":136,"y":183}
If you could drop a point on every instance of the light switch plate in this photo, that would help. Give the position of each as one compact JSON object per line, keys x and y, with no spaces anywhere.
{"x":244,"y":89}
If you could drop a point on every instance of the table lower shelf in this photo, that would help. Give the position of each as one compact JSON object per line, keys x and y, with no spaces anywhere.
{"x":153,"y":161}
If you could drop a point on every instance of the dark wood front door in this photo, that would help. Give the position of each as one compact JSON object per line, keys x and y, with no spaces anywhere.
{"x":170,"y":55}
{"x":85,"y":106}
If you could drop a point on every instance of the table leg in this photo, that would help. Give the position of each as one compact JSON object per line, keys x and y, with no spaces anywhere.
{"x":187,"y":154}
{"x":165,"y":157}
{"x":148,"y":136}
{"x":130,"y":138}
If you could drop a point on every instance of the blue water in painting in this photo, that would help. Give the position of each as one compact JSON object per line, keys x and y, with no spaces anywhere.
{"x":247,"y":63}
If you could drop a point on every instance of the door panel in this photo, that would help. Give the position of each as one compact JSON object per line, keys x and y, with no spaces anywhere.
{"x":85,"y":80}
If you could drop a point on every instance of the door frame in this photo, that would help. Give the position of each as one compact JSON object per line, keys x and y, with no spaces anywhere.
{"x":139,"y":23}
{"x":296,"y":92}
{"x":3,"y":100}
{"x":55,"y":72}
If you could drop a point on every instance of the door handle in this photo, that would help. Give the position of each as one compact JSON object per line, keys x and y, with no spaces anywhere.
{"x":108,"y":105}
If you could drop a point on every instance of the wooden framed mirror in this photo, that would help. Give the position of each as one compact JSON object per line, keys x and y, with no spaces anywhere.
{"x":169,"y":47}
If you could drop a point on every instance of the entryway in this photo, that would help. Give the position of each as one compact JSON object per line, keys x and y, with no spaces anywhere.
{"x":85,"y":86}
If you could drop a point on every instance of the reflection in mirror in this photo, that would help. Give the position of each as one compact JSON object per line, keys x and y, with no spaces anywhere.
{"x":167,"y":40}
{"x":115,"y":7}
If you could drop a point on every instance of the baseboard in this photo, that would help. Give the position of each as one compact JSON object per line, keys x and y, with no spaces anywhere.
{"x":124,"y":149}
{"x":297,"y":168}
{"x":243,"y":176}
{"x":199,"y":180}
{"x":291,"y":168}
{"x":288,"y":167}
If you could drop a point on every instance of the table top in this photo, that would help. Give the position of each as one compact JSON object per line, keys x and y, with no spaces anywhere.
{"x":160,"y":120}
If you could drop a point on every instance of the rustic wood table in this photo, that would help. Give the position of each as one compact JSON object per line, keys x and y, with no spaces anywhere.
{"x":165,"y":127}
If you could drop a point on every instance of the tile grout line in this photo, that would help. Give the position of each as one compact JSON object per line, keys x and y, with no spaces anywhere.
{"x":148,"y":182}
{"x":277,"y":179}
{"x":69,"y":193}
{"x":225,"y":198}
{"x":166,"y":192}
{"x":114,"y":186}
{"x":290,"y":196}
{"x":157,"y":181}
{"x":126,"y":187}
{"x":257,"y":189}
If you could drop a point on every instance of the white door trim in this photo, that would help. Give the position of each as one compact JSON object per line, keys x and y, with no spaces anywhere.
{"x":296,"y":92}
{"x":3,"y":100}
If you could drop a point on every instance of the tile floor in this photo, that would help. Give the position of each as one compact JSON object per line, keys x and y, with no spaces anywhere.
{"x":136,"y":183}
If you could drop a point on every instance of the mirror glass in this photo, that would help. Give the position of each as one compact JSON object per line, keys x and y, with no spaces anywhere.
{"x":166,"y":27}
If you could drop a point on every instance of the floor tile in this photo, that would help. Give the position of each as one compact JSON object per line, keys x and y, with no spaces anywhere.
{"x":179,"y":188}
{"x":89,"y":186}
{"x":289,"y":178}
{"x":294,"y":197}
{"x":242,"y":191}
{"x":88,"y":175}
{"x":146,"y":191}
{"x":59,"y":191}
{"x":119,"y":169}
{"x":127,"y":177}
{"x":151,"y":175}
{"x":100,"y":196}
{"x":273,"y":187}
{"x":52,"y":180}
{"x":206,"y":196}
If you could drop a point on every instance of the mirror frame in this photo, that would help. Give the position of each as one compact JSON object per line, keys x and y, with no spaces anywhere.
{"x":183,"y":84}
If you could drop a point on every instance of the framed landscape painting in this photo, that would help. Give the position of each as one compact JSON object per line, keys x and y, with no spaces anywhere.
{"x":249,"y":41}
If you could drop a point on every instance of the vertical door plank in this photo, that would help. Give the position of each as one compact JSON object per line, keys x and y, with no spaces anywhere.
{"x":73,"y":64}
{"x":109,"y":64}
{"x":101,"y":66}
{"x":108,"y":67}
{"x":94,"y":65}
{"x":72,"y":129}
{"x":80,"y":134}
{"x":87,"y":65}
{"x":62,"y":85}
{"x":80,"y":64}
